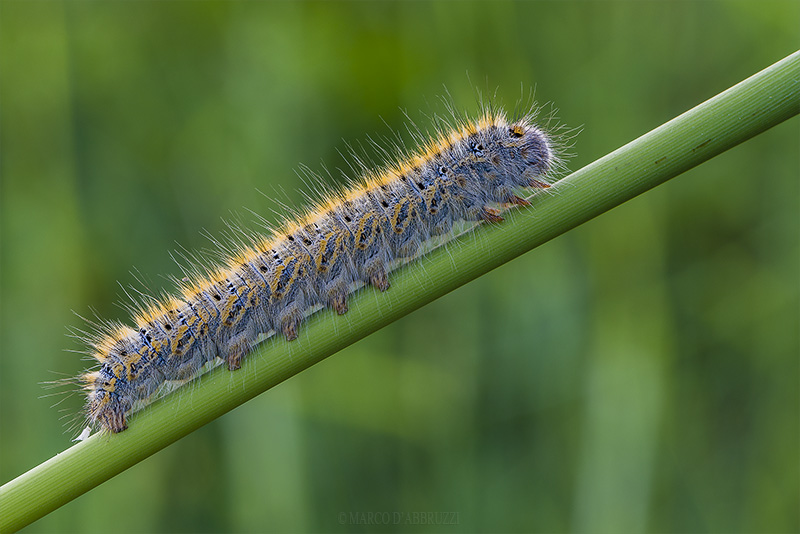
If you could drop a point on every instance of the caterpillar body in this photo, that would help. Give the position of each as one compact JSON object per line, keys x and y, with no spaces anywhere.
{"x":348,"y":238}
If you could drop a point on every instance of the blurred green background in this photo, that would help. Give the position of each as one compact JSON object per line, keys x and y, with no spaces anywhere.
{"x":638,"y":374}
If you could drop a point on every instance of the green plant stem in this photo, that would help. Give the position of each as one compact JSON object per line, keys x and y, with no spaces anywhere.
{"x":739,"y":113}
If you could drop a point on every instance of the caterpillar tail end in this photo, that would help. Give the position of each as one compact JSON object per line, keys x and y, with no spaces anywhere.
{"x":112,"y":419}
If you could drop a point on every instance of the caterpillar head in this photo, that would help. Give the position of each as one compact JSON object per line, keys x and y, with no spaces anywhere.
{"x":533,"y":146}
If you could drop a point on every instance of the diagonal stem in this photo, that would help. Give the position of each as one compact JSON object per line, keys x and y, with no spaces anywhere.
{"x":739,"y":113}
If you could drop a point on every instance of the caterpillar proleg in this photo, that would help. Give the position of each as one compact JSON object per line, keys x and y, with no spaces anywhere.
{"x":348,"y":238}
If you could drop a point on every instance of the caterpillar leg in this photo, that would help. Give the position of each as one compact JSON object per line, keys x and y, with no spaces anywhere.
{"x":374,"y":273}
{"x":517,"y":201}
{"x":236,"y":350}
{"x":490,"y":215}
{"x":338,"y":302}
{"x":289,"y":328}
{"x":380,"y":280}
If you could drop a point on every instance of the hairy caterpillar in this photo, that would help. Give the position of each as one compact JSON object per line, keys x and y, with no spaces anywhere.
{"x":348,"y":238}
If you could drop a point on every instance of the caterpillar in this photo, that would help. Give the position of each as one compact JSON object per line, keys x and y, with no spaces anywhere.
{"x":348,"y":238}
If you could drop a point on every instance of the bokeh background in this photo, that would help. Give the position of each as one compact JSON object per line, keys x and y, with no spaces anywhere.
{"x":637,"y":374}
